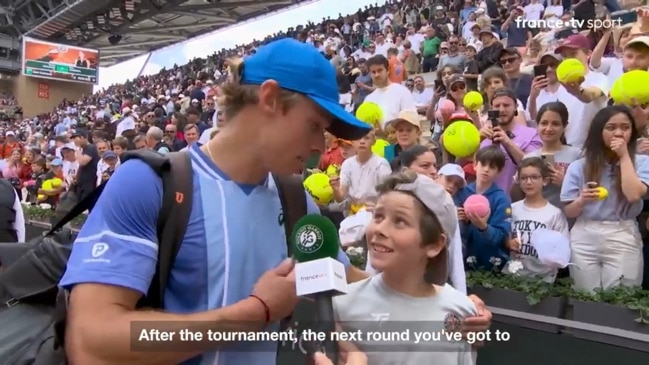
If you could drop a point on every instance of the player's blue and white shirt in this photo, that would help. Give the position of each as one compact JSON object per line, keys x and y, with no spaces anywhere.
{"x":234,"y":235}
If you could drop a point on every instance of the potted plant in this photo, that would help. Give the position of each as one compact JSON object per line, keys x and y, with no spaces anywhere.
{"x":40,"y":218}
{"x":521,"y":294}
{"x":620,"y":307}
{"x":357,"y":256}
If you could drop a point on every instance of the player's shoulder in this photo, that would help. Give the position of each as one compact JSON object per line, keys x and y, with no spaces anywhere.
{"x":456,"y":302}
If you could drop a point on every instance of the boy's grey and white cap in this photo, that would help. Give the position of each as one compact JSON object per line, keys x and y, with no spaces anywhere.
{"x":437,"y":200}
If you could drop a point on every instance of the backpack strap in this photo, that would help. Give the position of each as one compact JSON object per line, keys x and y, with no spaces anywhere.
{"x":293,"y":199}
{"x":178,"y":189}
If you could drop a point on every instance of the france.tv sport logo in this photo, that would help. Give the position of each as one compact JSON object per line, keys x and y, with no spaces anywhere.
{"x":309,"y":239}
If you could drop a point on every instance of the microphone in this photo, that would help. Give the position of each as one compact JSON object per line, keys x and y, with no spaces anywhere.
{"x":318,"y":274}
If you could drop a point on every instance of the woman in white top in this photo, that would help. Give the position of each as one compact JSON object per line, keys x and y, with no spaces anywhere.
{"x":605,"y":240}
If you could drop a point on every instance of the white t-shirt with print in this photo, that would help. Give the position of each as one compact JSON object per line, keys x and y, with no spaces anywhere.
{"x":361,"y":179}
{"x":70,"y":172}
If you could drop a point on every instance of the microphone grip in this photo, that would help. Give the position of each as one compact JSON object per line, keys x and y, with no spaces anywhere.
{"x":326,"y":323}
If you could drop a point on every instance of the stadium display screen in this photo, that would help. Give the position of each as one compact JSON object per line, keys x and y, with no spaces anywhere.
{"x":59,"y":61}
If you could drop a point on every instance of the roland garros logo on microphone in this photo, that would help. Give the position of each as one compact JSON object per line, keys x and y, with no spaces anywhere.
{"x":309,"y":238}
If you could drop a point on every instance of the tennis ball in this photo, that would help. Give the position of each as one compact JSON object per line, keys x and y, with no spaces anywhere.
{"x":318,"y":186}
{"x":570,"y":70}
{"x":602,"y":193}
{"x":41,"y":197}
{"x":56,"y":182}
{"x":477,"y":204}
{"x":631,"y":85}
{"x":332,"y":170}
{"x":369,"y":113}
{"x":461,"y":139}
{"x":473,"y":101}
{"x":378,"y":148}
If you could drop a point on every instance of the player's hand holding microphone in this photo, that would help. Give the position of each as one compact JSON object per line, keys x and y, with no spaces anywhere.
{"x":276,"y":291}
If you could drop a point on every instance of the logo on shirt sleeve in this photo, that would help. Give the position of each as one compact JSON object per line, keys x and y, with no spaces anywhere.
{"x":98,"y":249}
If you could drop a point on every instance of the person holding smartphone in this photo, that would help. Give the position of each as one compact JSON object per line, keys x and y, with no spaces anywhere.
{"x":513,"y":139}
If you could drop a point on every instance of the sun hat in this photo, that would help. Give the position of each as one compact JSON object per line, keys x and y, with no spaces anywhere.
{"x":299,"y":67}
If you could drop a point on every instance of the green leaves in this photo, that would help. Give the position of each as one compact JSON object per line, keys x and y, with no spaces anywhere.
{"x":34,"y":212}
{"x":536,"y":289}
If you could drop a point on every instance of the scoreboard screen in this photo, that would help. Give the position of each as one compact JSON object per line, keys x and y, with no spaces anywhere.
{"x":59,"y":61}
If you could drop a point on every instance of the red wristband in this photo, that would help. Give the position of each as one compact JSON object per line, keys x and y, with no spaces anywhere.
{"x":266,"y":309}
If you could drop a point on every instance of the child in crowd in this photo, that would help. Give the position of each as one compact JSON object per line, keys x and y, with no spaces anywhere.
{"x":532,"y":213}
{"x":51,"y":196}
{"x":422,"y":161}
{"x":407,"y":243}
{"x":359,"y":175}
{"x":407,"y":128}
{"x":451,"y":177}
{"x":484,"y":237}
{"x":38,"y":176}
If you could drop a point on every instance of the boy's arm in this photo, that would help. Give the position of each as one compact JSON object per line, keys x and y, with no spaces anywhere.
{"x":500,"y":222}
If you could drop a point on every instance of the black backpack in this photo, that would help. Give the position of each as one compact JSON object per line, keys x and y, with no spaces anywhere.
{"x":34,"y":310}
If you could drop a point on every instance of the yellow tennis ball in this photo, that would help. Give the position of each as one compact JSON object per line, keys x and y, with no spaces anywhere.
{"x":378,"y":148}
{"x":47,"y":184}
{"x":473,"y":101}
{"x":332,"y":170}
{"x":461,"y":139}
{"x":369,"y":113}
{"x":41,"y":197}
{"x":602,"y":193}
{"x":570,"y":70}
{"x":631,"y":85}
{"x":318,"y":186}
{"x":56,"y":182}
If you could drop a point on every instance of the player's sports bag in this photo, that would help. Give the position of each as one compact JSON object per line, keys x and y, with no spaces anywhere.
{"x":33,"y":308}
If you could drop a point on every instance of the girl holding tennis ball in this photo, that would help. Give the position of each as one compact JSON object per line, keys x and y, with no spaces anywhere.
{"x":606,"y":246}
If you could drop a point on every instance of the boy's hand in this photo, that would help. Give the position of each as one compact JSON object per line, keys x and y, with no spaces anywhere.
{"x":461,"y":216}
{"x":479,"y":222}
{"x":513,"y":244}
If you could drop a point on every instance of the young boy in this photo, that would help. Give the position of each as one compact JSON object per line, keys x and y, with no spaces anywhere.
{"x":407,"y":128}
{"x":451,"y":177}
{"x":485,"y":237}
{"x":359,"y":175}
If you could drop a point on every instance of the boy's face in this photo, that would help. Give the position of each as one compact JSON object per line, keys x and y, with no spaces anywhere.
{"x":348,"y":150}
{"x":407,"y":134}
{"x":485,"y":173}
{"x":364,"y":144}
{"x":394,"y":235}
{"x":36,"y":168}
{"x":452,"y":184}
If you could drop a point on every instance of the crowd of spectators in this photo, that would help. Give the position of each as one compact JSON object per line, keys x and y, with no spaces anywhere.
{"x":468,"y":46}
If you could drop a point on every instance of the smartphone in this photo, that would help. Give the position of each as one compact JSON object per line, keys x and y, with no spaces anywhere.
{"x":540,"y":70}
{"x":624,"y":17}
{"x":548,"y":158}
{"x":493,"y":116}
{"x":439,"y":85}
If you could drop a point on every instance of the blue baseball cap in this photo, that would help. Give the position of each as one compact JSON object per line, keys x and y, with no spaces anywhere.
{"x":56,"y":162}
{"x":109,"y":154}
{"x":299,"y":67}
